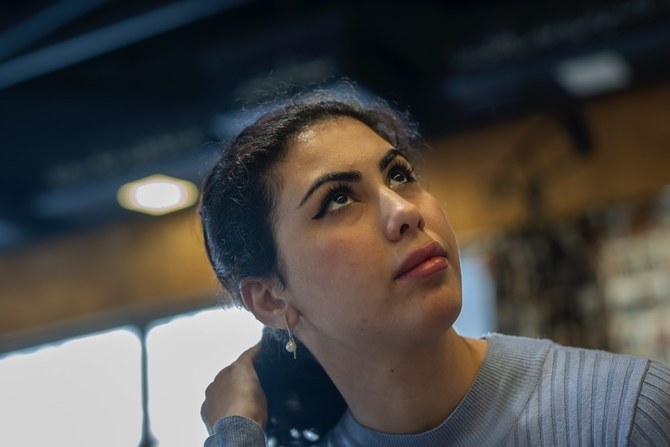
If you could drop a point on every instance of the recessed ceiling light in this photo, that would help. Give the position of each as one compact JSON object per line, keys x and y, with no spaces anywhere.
{"x":593,"y":74}
{"x":157,"y":195}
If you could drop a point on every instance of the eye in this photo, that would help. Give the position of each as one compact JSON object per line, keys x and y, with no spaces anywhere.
{"x":398,"y":177}
{"x":400,"y":173}
{"x":336,"y":198}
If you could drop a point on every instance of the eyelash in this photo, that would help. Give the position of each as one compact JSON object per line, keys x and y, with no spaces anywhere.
{"x":333,"y":190}
{"x":343,"y":188}
{"x":405,"y":168}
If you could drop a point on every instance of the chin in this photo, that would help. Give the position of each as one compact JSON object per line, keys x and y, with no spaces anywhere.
{"x":443,"y":312}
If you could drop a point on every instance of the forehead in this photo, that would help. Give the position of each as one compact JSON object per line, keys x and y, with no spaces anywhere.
{"x":336,"y":143}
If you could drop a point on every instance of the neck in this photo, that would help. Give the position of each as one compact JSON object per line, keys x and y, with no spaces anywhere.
{"x":410,"y":392}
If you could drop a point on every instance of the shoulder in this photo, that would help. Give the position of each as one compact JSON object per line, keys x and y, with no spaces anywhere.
{"x":591,"y":397}
{"x":607,"y":383}
{"x":651,"y":425}
{"x":618,"y":399}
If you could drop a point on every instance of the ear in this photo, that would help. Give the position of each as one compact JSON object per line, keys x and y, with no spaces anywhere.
{"x":261,"y":298}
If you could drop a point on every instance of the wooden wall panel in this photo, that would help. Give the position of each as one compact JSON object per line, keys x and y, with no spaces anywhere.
{"x":158,"y":261}
{"x":482,"y":175}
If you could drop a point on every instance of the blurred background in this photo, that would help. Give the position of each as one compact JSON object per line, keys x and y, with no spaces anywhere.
{"x":550,"y":131}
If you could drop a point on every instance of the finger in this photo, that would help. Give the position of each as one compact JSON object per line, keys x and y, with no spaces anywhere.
{"x":203,"y":412}
{"x":250,"y":353}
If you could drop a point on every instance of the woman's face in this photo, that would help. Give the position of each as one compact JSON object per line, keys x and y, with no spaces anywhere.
{"x":367,"y":253}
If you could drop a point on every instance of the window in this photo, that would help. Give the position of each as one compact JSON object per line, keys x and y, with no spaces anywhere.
{"x":477,"y":316}
{"x":80,"y":392}
{"x":184,"y":355}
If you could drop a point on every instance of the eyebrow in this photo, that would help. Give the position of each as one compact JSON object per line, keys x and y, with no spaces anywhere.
{"x":350,"y":176}
{"x":389,"y":157}
{"x":343,"y":176}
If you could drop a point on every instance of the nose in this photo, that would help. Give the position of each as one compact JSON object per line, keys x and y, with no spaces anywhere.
{"x":400,"y":217}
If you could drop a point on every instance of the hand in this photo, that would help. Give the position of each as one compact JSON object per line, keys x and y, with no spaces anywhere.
{"x":236,"y":391}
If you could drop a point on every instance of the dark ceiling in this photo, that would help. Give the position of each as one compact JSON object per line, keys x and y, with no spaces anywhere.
{"x":95,"y":93}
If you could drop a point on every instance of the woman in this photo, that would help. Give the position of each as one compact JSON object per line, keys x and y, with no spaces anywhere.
{"x":315,"y":221}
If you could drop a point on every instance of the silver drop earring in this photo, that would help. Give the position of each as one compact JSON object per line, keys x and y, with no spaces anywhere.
{"x":291,"y":345}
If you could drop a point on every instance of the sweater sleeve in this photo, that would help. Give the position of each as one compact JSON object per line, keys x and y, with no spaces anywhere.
{"x":236,"y":431}
{"x":651,"y":426}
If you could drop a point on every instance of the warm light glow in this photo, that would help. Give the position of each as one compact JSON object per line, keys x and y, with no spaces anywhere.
{"x":157,"y":195}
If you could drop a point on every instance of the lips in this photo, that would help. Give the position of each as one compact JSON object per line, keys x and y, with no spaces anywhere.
{"x":423,"y":262}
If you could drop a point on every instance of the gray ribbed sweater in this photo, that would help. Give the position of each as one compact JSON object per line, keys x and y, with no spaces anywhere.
{"x":527,"y":393}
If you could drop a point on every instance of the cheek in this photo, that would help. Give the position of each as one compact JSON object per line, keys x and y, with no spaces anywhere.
{"x":437,"y":222}
{"x":436,"y":218}
{"x":334,"y":263}
{"x":339,"y":256}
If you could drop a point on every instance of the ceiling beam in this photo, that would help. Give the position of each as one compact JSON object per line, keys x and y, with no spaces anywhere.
{"x":43,"y":23}
{"x":104,"y":40}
